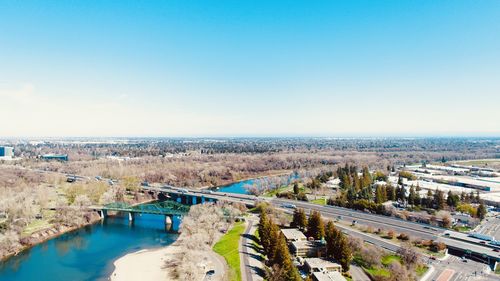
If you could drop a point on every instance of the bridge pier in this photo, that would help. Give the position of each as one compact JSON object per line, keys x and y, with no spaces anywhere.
{"x":131,"y":216}
{"x":103,"y":214}
{"x":176,"y":222}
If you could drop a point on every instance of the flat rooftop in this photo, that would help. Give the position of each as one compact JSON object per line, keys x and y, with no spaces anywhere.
{"x":328,"y":276}
{"x":293,"y":234}
{"x":321,"y":263}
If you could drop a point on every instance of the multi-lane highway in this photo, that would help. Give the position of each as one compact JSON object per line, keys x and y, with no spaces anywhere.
{"x":413,"y":229}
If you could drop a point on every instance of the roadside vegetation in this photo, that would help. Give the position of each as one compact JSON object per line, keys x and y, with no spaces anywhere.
{"x":201,"y":228}
{"x":227,"y":247}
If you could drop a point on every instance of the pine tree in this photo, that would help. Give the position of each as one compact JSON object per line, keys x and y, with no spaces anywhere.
{"x":439,"y":199}
{"x":428,"y":199}
{"x":264,"y":230}
{"x":315,"y":227}
{"x":273,"y":241}
{"x":391,"y":192}
{"x":299,"y":219}
{"x":331,"y":238}
{"x":411,"y":196}
{"x":367,"y":178}
{"x":345,"y":255}
{"x":418,"y":200}
{"x":481,"y":211}
{"x":380,"y":194}
{"x":296,"y":188}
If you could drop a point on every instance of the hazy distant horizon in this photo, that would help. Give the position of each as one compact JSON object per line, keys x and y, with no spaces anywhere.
{"x":250,"y":68}
{"x":360,"y":136}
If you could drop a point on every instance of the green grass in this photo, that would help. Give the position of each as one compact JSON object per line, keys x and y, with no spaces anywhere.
{"x":273,"y":192}
{"x":228,"y":248}
{"x":421,"y":270}
{"x":382,"y":272}
{"x":387,"y":260}
{"x":462,"y":228}
{"x":321,"y":201}
{"x":37,"y":225}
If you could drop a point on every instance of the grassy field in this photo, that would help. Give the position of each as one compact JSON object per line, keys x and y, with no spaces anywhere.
{"x":228,"y":248}
{"x":321,"y":201}
{"x":387,"y":260}
{"x":273,"y":192}
{"x":37,"y":225}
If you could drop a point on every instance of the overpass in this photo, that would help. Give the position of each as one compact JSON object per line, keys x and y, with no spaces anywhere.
{"x":420,"y":230}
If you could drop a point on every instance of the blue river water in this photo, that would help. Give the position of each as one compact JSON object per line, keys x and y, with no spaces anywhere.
{"x":87,"y":253}
{"x":240,"y":187}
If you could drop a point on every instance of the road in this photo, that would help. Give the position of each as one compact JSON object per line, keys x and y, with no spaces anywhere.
{"x":358,"y":274}
{"x":413,"y":229}
{"x":251,"y":264}
{"x":460,"y":270}
{"x":376,"y":221}
{"x":218,"y":265}
{"x":490,"y":227}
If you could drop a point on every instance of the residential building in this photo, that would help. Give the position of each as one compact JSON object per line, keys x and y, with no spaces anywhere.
{"x":293,"y":235}
{"x":308,"y":248}
{"x":321,"y":265}
{"x":328,"y":276}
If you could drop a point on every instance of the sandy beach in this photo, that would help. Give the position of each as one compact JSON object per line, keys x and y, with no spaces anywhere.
{"x":143,"y":265}
{"x":149,"y":265}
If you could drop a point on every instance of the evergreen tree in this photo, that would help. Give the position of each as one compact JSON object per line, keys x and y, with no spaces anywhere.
{"x":345,"y":255}
{"x":351,"y":194}
{"x":315,"y":227}
{"x":481,"y":211}
{"x":380,"y":194}
{"x":299,"y":219}
{"x":366,"y":178}
{"x":264,"y":230}
{"x":418,"y":200}
{"x":428,"y":199}
{"x":390,"y":192}
{"x":356,"y":182}
{"x":452,"y":199}
{"x":439,"y":199}
{"x":331,"y":238}
{"x":274,"y":237}
{"x":296,"y":188}
{"x":411,"y":196}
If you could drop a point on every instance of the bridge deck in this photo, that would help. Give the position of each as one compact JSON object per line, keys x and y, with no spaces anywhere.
{"x":159,"y":208}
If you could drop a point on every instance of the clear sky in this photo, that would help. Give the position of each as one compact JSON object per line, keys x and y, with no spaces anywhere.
{"x":245,"y":68}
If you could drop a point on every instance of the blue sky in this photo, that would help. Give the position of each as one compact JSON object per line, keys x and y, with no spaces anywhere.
{"x":239,"y":68}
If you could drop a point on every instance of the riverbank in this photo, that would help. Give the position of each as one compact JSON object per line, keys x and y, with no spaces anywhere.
{"x":43,"y":235}
{"x":151,"y":265}
{"x":144,"y":265}
{"x":277,"y":174}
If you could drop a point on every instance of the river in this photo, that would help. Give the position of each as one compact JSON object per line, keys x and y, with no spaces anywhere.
{"x":87,"y":253}
{"x":240,"y":187}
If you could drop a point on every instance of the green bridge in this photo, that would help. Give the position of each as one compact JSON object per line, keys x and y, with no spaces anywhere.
{"x":172,"y":211}
{"x":158,"y":208}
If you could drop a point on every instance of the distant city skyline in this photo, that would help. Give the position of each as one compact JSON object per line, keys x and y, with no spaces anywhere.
{"x":249,"y":68}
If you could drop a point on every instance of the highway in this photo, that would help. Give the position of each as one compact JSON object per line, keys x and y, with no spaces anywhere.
{"x":333,"y":212}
